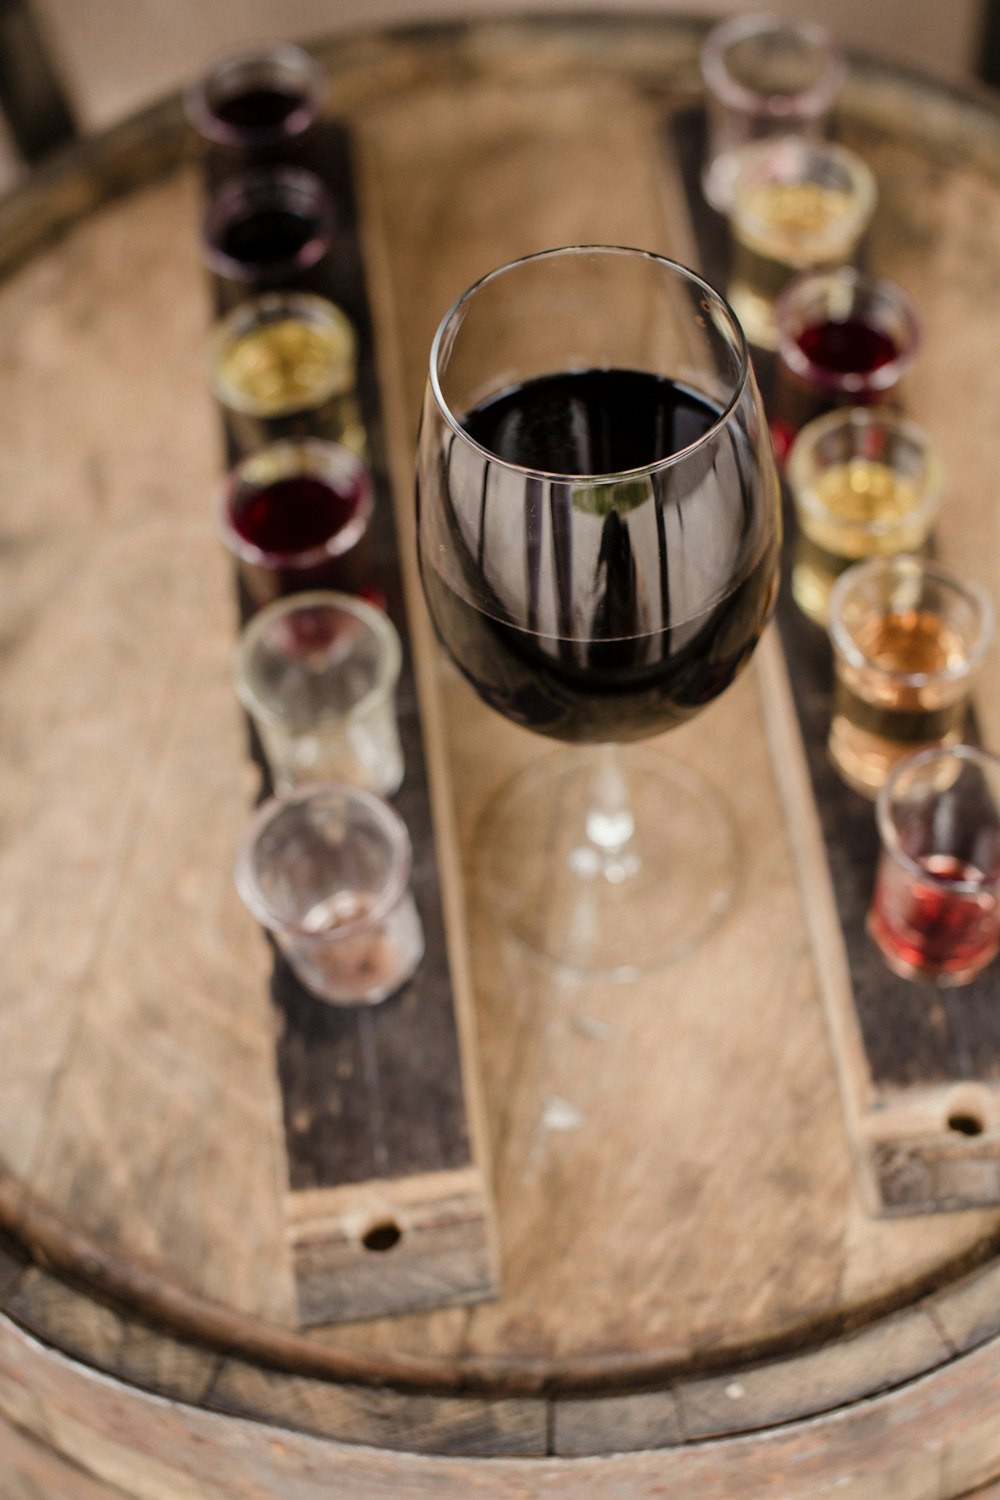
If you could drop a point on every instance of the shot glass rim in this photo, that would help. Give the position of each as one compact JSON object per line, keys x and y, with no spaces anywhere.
{"x":803,"y":491}
{"x":751,"y":159}
{"x":376,"y":620}
{"x":846,"y":647}
{"x":335,"y":546}
{"x":736,"y":95}
{"x":847,"y":382}
{"x":200,"y":110}
{"x":451,"y":320}
{"x":274,"y":807}
{"x":886,"y":824}
{"x":264,"y":182}
{"x":275,"y":307}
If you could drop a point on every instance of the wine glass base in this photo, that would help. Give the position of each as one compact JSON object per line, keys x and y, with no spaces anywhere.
{"x":603,"y":909}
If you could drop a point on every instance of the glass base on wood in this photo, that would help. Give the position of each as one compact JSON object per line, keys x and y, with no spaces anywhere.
{"x":608,"y":862}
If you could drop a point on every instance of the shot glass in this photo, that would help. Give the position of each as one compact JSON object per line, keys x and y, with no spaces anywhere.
{"x":844,"y":339}
{"x":258,"y":106}
{"x":268,"y":229}
{"x":284,"y":365}
{"x":864,"y":481}
{"x":296,"y":516}
{"x":327,"y":869}
{"x":934,"y":912}
{"x":763,"y":77}
{"x":908,"y":636}
{"x":317,"y":674}
{"x":797,"y":206}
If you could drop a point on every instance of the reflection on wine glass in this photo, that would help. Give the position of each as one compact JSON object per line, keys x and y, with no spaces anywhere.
{"x":599,"y":533}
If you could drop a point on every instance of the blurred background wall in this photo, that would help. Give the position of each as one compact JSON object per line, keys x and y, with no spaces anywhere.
{"x":83,"y":64}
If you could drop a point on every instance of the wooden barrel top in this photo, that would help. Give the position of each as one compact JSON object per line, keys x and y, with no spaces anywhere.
{"x":691,"y":1277}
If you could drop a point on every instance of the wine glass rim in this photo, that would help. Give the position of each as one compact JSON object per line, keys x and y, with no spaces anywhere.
{"x":610,"y":476}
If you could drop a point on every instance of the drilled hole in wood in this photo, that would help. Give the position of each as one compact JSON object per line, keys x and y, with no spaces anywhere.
{"x":965,"y":1123}
{"x":382,"y":1236}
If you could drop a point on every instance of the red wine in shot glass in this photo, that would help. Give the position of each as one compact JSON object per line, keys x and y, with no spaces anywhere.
{"x":296,"y":516}
{"x":927,"y":929}
{"x":934,"y":912}
{"x":844,"y":339}
{"x":266,"y":230}
{"x":257,"y":107}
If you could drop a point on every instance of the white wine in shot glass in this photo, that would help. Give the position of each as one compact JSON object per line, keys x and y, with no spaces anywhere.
{"x":865,"y":482}
{"x":797,"y":206}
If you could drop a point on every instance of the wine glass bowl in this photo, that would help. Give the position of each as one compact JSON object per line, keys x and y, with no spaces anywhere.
{"x":598,"y":529}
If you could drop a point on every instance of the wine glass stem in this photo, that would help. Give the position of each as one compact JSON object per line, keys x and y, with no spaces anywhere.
{"x":608,"y":852}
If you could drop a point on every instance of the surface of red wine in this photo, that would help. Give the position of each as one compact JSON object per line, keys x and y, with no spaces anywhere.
{"x":267,"y":236}
{"x":847,"y":346}
{"x":260,"y":108}
{"x":613,"y":678}
{"x":293,"y":515}
{"x":591,"y":422}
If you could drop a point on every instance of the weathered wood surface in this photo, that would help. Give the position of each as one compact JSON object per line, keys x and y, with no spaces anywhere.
{"x":384,"y":1134}
{"x":920,"y":1069}
{"x":694,"y":1289}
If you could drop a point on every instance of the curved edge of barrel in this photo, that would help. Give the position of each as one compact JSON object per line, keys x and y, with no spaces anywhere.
{"x":937,"y":1436}
{"x":127,"y":1321}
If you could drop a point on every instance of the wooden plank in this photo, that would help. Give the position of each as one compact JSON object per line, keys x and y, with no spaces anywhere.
{"x":672,"y":1170}
{"x":932,"y":1439}
{"x":387,"y":1419}
{"x":388,"y":1207}
{"x":919,"y":1068}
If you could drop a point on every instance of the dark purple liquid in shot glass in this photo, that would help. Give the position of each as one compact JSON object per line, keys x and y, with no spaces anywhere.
{"x":842,"y":346}
{"x":257,"y":107}
{"x":845,"y":339}
{"x":268,"y":229}
{"x":296,"y":516}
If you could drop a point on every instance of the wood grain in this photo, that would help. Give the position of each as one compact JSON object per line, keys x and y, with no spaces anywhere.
{"x":911,"y":1060}
{"x":697,"y":1227}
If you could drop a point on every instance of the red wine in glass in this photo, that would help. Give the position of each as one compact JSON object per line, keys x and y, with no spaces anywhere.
{"x":598,"y":536}
{"x":633,"y":673}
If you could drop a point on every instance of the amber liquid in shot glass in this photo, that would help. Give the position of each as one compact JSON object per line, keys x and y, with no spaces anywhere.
{"x":907,"y":637}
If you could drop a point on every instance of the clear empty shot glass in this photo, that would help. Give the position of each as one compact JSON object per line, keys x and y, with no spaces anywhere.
{"x":934,"y":912}
{"x":908,"y":636}
{"x":764,"y":76}
{"x":864,"y":481}
{"x":317,"y":674}
{"x":797,"y":206}
{"x":284,"y":365}
{"x":327,"y":869}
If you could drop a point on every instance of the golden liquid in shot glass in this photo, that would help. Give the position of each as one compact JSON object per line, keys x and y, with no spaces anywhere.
{"x":865,"y":509}
{"x":291,"y":373}
{"x":797,"y":207}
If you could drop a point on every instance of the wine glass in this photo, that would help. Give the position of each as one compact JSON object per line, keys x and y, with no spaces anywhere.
{"x":599,"y":533}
